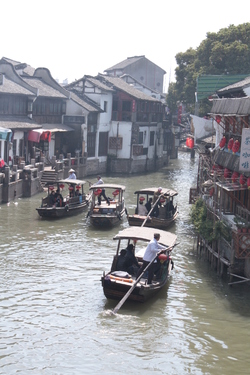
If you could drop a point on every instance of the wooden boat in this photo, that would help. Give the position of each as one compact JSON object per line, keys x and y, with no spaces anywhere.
{"x":104,"y":214}
{"x":164,"y":215}
{"x":73,"y":202}
{"x":117,"y":283}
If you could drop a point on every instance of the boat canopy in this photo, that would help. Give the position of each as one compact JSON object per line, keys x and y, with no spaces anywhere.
{"x":107,"y":186}
{"x":152,"y":190}
{"x":71,"y":181}
{"x":146,"y":234}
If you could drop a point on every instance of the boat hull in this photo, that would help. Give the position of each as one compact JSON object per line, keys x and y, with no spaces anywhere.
{"x":153,"y":222}
{"x":61,"y":212}
{"x":106,"y":221}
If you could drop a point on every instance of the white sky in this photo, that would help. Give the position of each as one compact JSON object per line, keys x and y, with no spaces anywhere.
{"x":78,"y":37}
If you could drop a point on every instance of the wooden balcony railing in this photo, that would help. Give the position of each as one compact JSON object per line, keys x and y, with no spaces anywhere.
{"x":241,"y":243}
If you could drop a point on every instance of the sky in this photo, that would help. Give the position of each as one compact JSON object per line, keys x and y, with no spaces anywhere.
{"x":85,"y":37}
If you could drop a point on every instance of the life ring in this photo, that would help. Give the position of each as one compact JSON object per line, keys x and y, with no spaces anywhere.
{"x":120,"y":279}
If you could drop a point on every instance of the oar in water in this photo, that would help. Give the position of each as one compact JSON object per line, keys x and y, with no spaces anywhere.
{"x":125,"y":297}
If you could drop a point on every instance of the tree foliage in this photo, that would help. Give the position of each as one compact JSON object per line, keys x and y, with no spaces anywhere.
{"x":225,"y":52}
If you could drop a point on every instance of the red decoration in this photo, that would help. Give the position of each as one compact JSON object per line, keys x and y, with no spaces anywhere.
{"x":223,"y":142}
{"x":242,"y":179}
{"x":115,"y":193}
{"x":230,"y":144}
{"x":162,"y":200}
{"x":142,"y":199}
{"x":61,"y":186}
{"x":235,"y":176}
{"x":78,"y":187}
{"x":97,"y":192}
{"x":51,"y":187}
{"x":236,"y":146}
{"x":162,"y":257}
{"x":211,"y":192}
{"x":218,"y":119}
{"x":248,"y":182}
{"x":71,"y":188}
{"x":187,"y":142}
{"x":227,"y":173}
{"x":214,"y":167}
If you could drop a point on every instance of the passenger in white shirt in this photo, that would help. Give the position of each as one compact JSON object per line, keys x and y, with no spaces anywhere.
{"x":142,"y":211}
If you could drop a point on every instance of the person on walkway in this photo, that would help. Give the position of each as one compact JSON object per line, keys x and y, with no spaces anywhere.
{"x":150,"y":253}
{"x":72,"y":175}
{"x":100,"y":182}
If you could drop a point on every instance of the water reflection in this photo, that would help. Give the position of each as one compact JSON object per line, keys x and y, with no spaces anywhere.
{"x":55,"y":318}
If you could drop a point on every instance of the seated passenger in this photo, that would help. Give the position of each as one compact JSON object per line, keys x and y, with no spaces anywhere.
{"x":130,"y":260}
{"x":121,"y":261}
{"x":142,"y":211}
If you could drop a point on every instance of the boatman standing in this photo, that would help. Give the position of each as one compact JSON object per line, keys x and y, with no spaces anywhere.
{"x":100,"y":182}
{"x":150,"y":253}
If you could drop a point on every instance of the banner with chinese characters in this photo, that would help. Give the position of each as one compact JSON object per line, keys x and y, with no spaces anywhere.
{"x":244,"y":165}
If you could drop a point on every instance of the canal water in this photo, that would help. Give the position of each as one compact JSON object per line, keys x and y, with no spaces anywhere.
{"x":54,"y":318}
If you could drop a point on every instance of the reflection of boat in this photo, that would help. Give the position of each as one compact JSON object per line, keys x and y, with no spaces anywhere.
{"x":104,"y":214}
{"x":75,"y":200}
{"x":117,"y":283}
{"x":163,"y":215}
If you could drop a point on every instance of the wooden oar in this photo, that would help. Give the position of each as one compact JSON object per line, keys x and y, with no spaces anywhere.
{"x":151,"y":209}
{"x":125,"y":297}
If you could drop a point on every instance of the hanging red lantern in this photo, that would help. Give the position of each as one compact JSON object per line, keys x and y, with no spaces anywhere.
{"x":223,"y":142}
{"x":236,"y":146}
{"x":230,"y":144}
{"x":51,"y":187}
{"x":115,"y":193}
{"x":248,"y":183}
{"x":97,"y":192}
{"x":191,"y":143}
{"x":227,"y":173}
{"x":78,"y":187}
{"x":61,"y":186}
{"x":71,"y":188}
{"x":218,"y":119}
{"x":242,"y":179}
{"x":187,"y":142}
{"x":211,"y":192}
{"x":235,"y":176}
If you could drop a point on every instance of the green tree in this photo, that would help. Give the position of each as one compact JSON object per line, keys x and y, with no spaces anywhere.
{"x":225,"y":52}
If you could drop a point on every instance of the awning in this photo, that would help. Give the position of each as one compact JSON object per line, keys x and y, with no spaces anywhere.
{"x":54,"y":128}
{"x":5,"y":134}
{"x":39,"y":135}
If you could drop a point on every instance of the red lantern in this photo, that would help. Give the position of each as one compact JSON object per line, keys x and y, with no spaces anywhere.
{"x":230,"y":144}
{"x":71,"y":188}
{"x":235,"y":176}
{"x":227,"y":173}
{"x":211,"y":192}
{"x":218,"y":119}
{"x":78,"y":187}
{"x":236,"y":146}
{"x":248,"y":183}
{"x":242,"y":179}
{"x":191,"y":143}
{"x":141,"y":199}
{"x":115,"y":193}
{"x":97,"y":192}
{"x":61,"y":186}
{"x":187,"y":142}
{"x":51,"y":187}
{"x":162,"y":200}
{"x":223,"y":142}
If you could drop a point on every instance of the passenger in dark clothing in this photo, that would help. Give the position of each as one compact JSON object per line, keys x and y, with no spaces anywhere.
{"x":148,"y":205}
{"x":52,"y":199}
{"x":120,"y":264}
{"x":130,"y":260}
{"x":58,"y":198}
